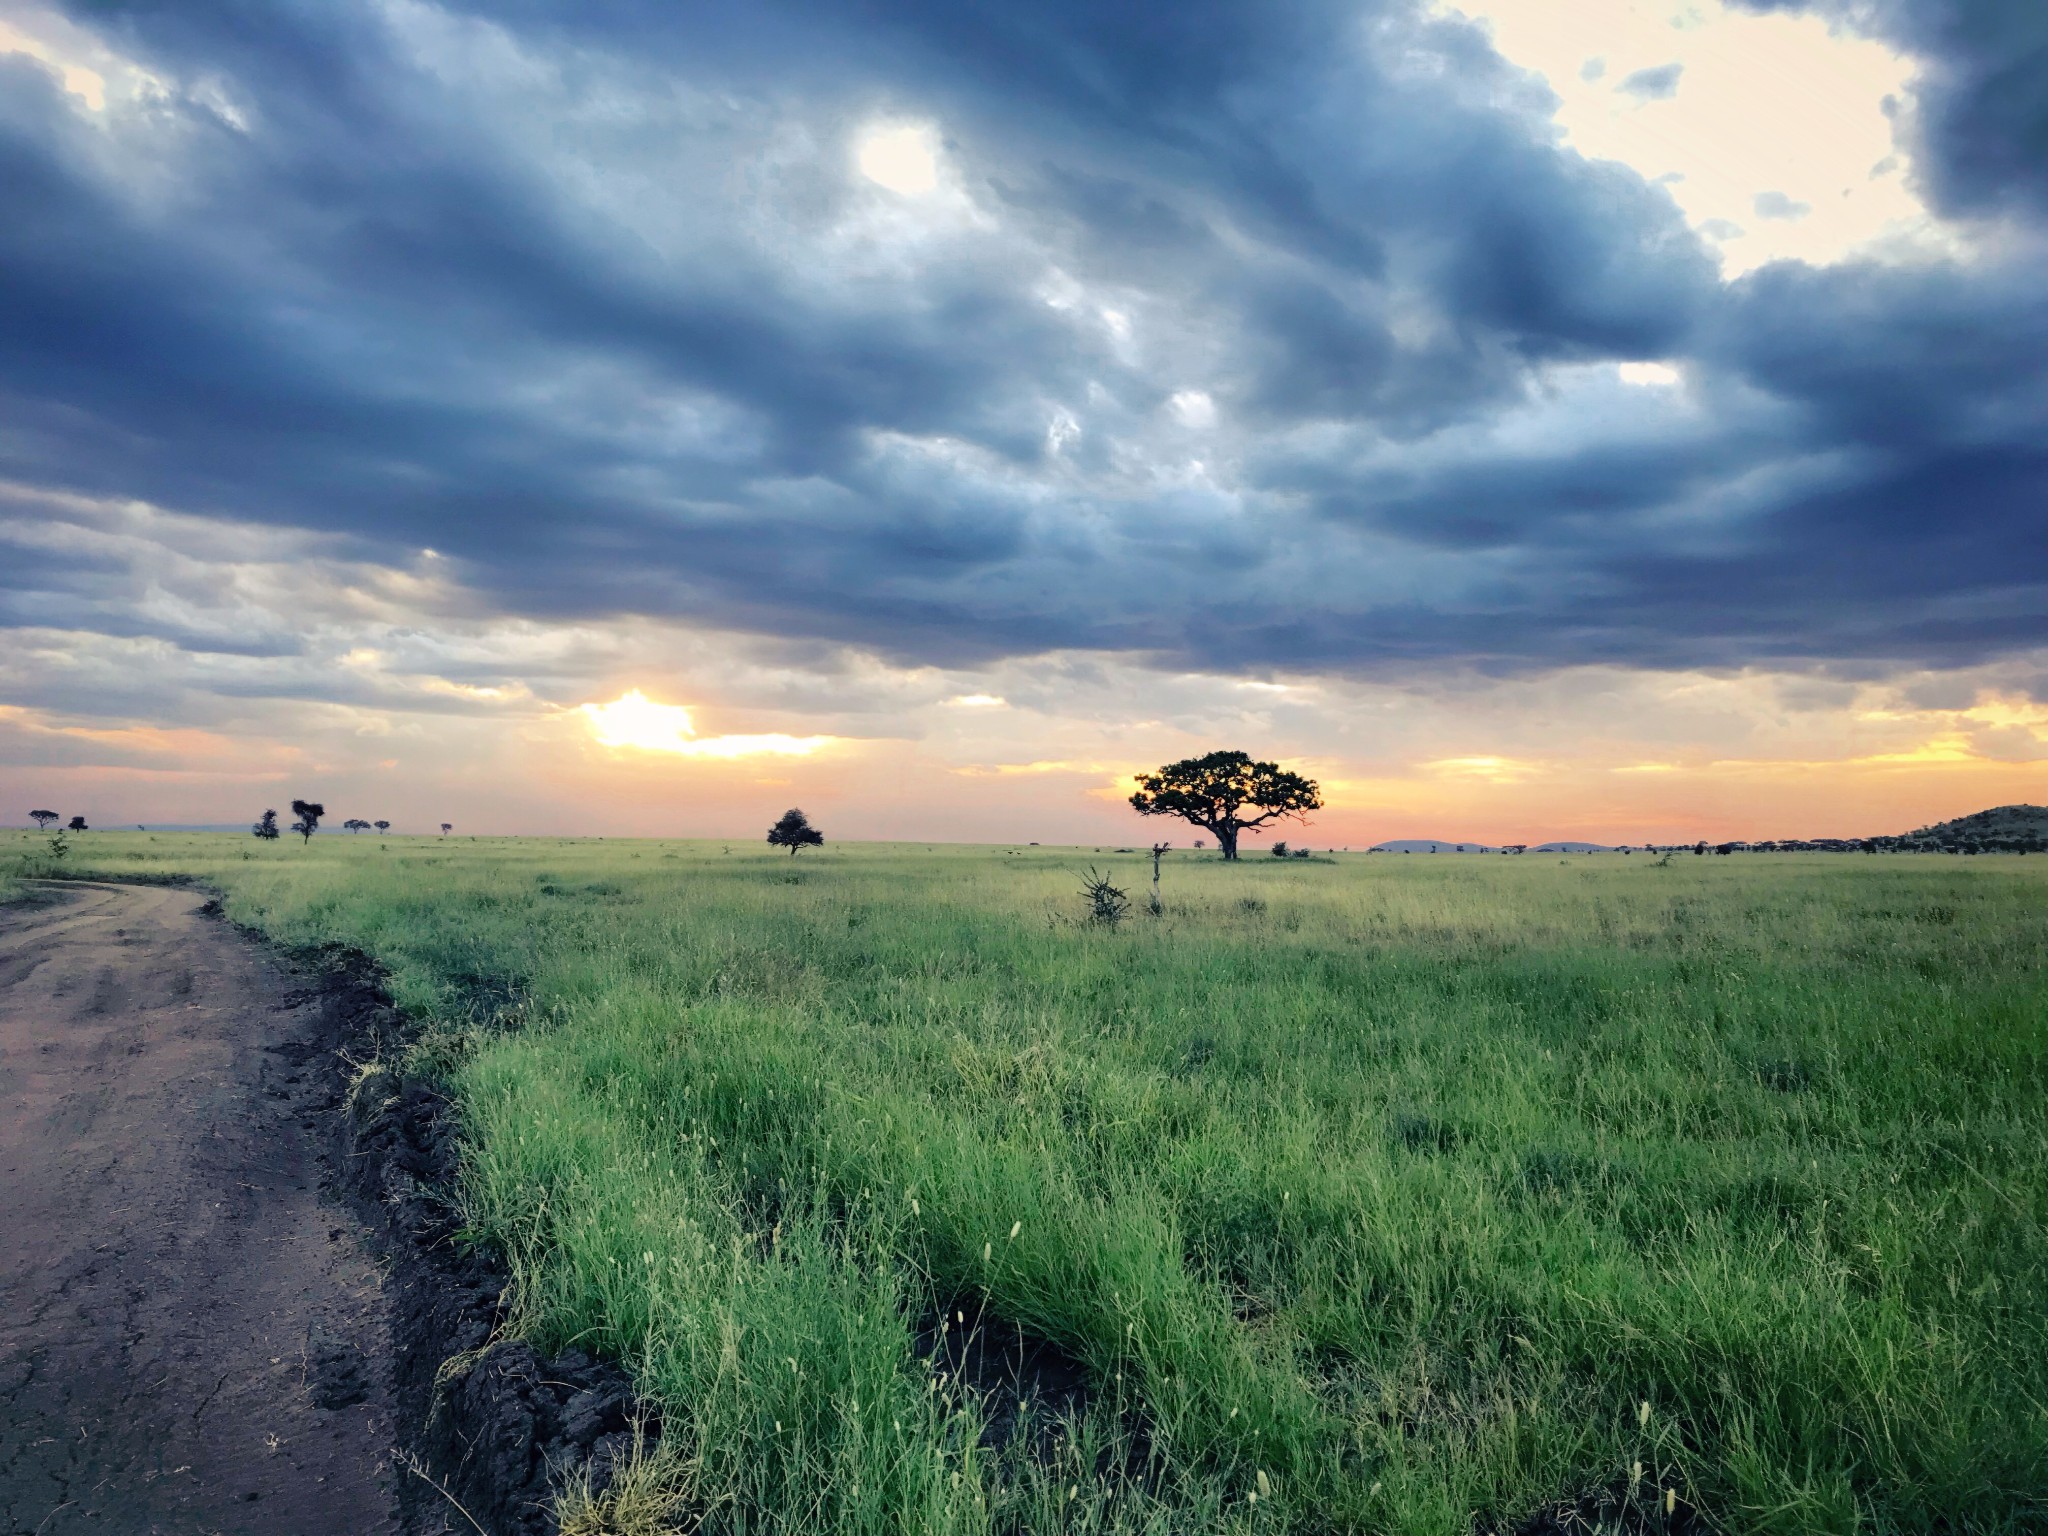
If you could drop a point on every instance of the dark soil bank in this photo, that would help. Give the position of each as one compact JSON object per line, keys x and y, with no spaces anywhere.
{"x":497,"y":1428}
{"x":226,"y":1288}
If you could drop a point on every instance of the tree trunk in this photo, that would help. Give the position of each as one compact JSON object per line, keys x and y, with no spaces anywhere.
{"x":1226,"y":839}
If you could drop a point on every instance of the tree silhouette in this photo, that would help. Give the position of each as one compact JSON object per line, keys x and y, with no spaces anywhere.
{"x":42,"y":819}
{"x":77,"y":824}
{"x":794,"y":831}
{"x":309,"y":814}
{"x":1213,"y":791}
{"x":267,"y":827}
{"x":383,"y":826}
{"x":447,"y":827}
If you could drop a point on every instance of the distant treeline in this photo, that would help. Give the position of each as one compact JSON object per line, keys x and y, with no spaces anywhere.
{"x":2002,"y":829}
{"x":1912,"y":842}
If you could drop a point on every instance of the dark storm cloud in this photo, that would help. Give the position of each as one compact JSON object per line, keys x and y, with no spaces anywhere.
{"x":1235,"y":356}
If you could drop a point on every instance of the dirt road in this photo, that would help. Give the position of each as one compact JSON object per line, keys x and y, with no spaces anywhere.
{"x":190,"y":1337}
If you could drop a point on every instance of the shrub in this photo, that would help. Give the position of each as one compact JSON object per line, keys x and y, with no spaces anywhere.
{"x":1107,"y":904}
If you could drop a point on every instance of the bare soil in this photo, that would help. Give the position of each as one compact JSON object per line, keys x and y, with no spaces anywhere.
{"x":192,"y":1339}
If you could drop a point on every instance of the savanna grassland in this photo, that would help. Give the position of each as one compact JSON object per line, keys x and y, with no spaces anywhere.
{"x":1399,"y":1194}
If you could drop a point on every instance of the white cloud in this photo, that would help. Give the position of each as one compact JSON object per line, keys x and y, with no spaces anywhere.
{"x":1194,"y":407}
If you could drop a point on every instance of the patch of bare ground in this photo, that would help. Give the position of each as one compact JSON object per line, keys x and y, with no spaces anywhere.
{"x":232,"y":1295}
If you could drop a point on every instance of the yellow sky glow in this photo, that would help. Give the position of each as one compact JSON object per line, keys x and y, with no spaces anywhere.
{"x":1774,"y":137}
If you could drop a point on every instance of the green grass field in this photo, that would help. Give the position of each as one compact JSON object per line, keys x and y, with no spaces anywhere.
{"x":1404,"y":1194}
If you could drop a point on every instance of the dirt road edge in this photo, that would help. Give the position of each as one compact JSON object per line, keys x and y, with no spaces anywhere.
{"x":496,"y":1431}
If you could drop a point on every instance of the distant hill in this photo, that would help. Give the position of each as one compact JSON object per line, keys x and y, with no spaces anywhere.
{"x":2003,"y":828}
{"x":1571,"y":847}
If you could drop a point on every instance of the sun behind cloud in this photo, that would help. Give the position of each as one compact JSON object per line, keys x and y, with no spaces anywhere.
{"x":635,"y":721}
{"x":904,"y":157}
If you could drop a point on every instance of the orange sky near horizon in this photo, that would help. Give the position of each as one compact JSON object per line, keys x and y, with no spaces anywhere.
{"x":974,"y":768}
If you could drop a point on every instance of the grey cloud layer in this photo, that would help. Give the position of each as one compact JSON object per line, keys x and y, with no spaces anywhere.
{"x":1245,"y":339}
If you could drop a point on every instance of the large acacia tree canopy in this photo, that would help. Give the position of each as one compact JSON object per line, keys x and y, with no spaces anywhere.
{"x":795,"y":831}
{"x":1213,"y":791}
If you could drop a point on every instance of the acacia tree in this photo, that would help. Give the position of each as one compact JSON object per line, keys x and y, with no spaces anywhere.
{"x":383,"y":826}
{"x":309,"y":814}
{"x":267,"y":827}
{"x":77,"y":824}
{"x":1214,"y":792}
{"x":355,"y":824}
{"x":794,"y":831}
{"x":447,"y":827}
{"x":42,"y":819}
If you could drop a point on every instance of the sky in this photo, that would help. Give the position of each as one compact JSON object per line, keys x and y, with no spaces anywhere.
{"x":1625,"y":420}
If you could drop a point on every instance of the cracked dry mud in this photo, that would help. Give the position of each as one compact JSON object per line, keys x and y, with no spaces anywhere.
{"x":191,"y":1337}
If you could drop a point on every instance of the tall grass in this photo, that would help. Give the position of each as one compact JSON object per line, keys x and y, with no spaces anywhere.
{"x":1395,"y":1194}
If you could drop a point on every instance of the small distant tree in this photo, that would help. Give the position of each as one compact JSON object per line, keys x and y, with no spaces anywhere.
{"x":383,"y":826}
{"x":794,"y":831}
{"x":76,"y":824}
{"x":1215,"y":791}
{"x":355,"y":824}
{"x":1278,"y":850}
{"x":309,"y":813}
{"x":43,"y":819}
{"x":266,"y":827}
{"x":447,"y":827}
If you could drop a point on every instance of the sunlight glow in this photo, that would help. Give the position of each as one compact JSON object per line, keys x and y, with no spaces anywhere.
{"x":904,"y":158}
{"x":1661,"y":375}
{"x":1497,"y":770}
{"x":636,"y":721}
{"x":88,"y":85}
